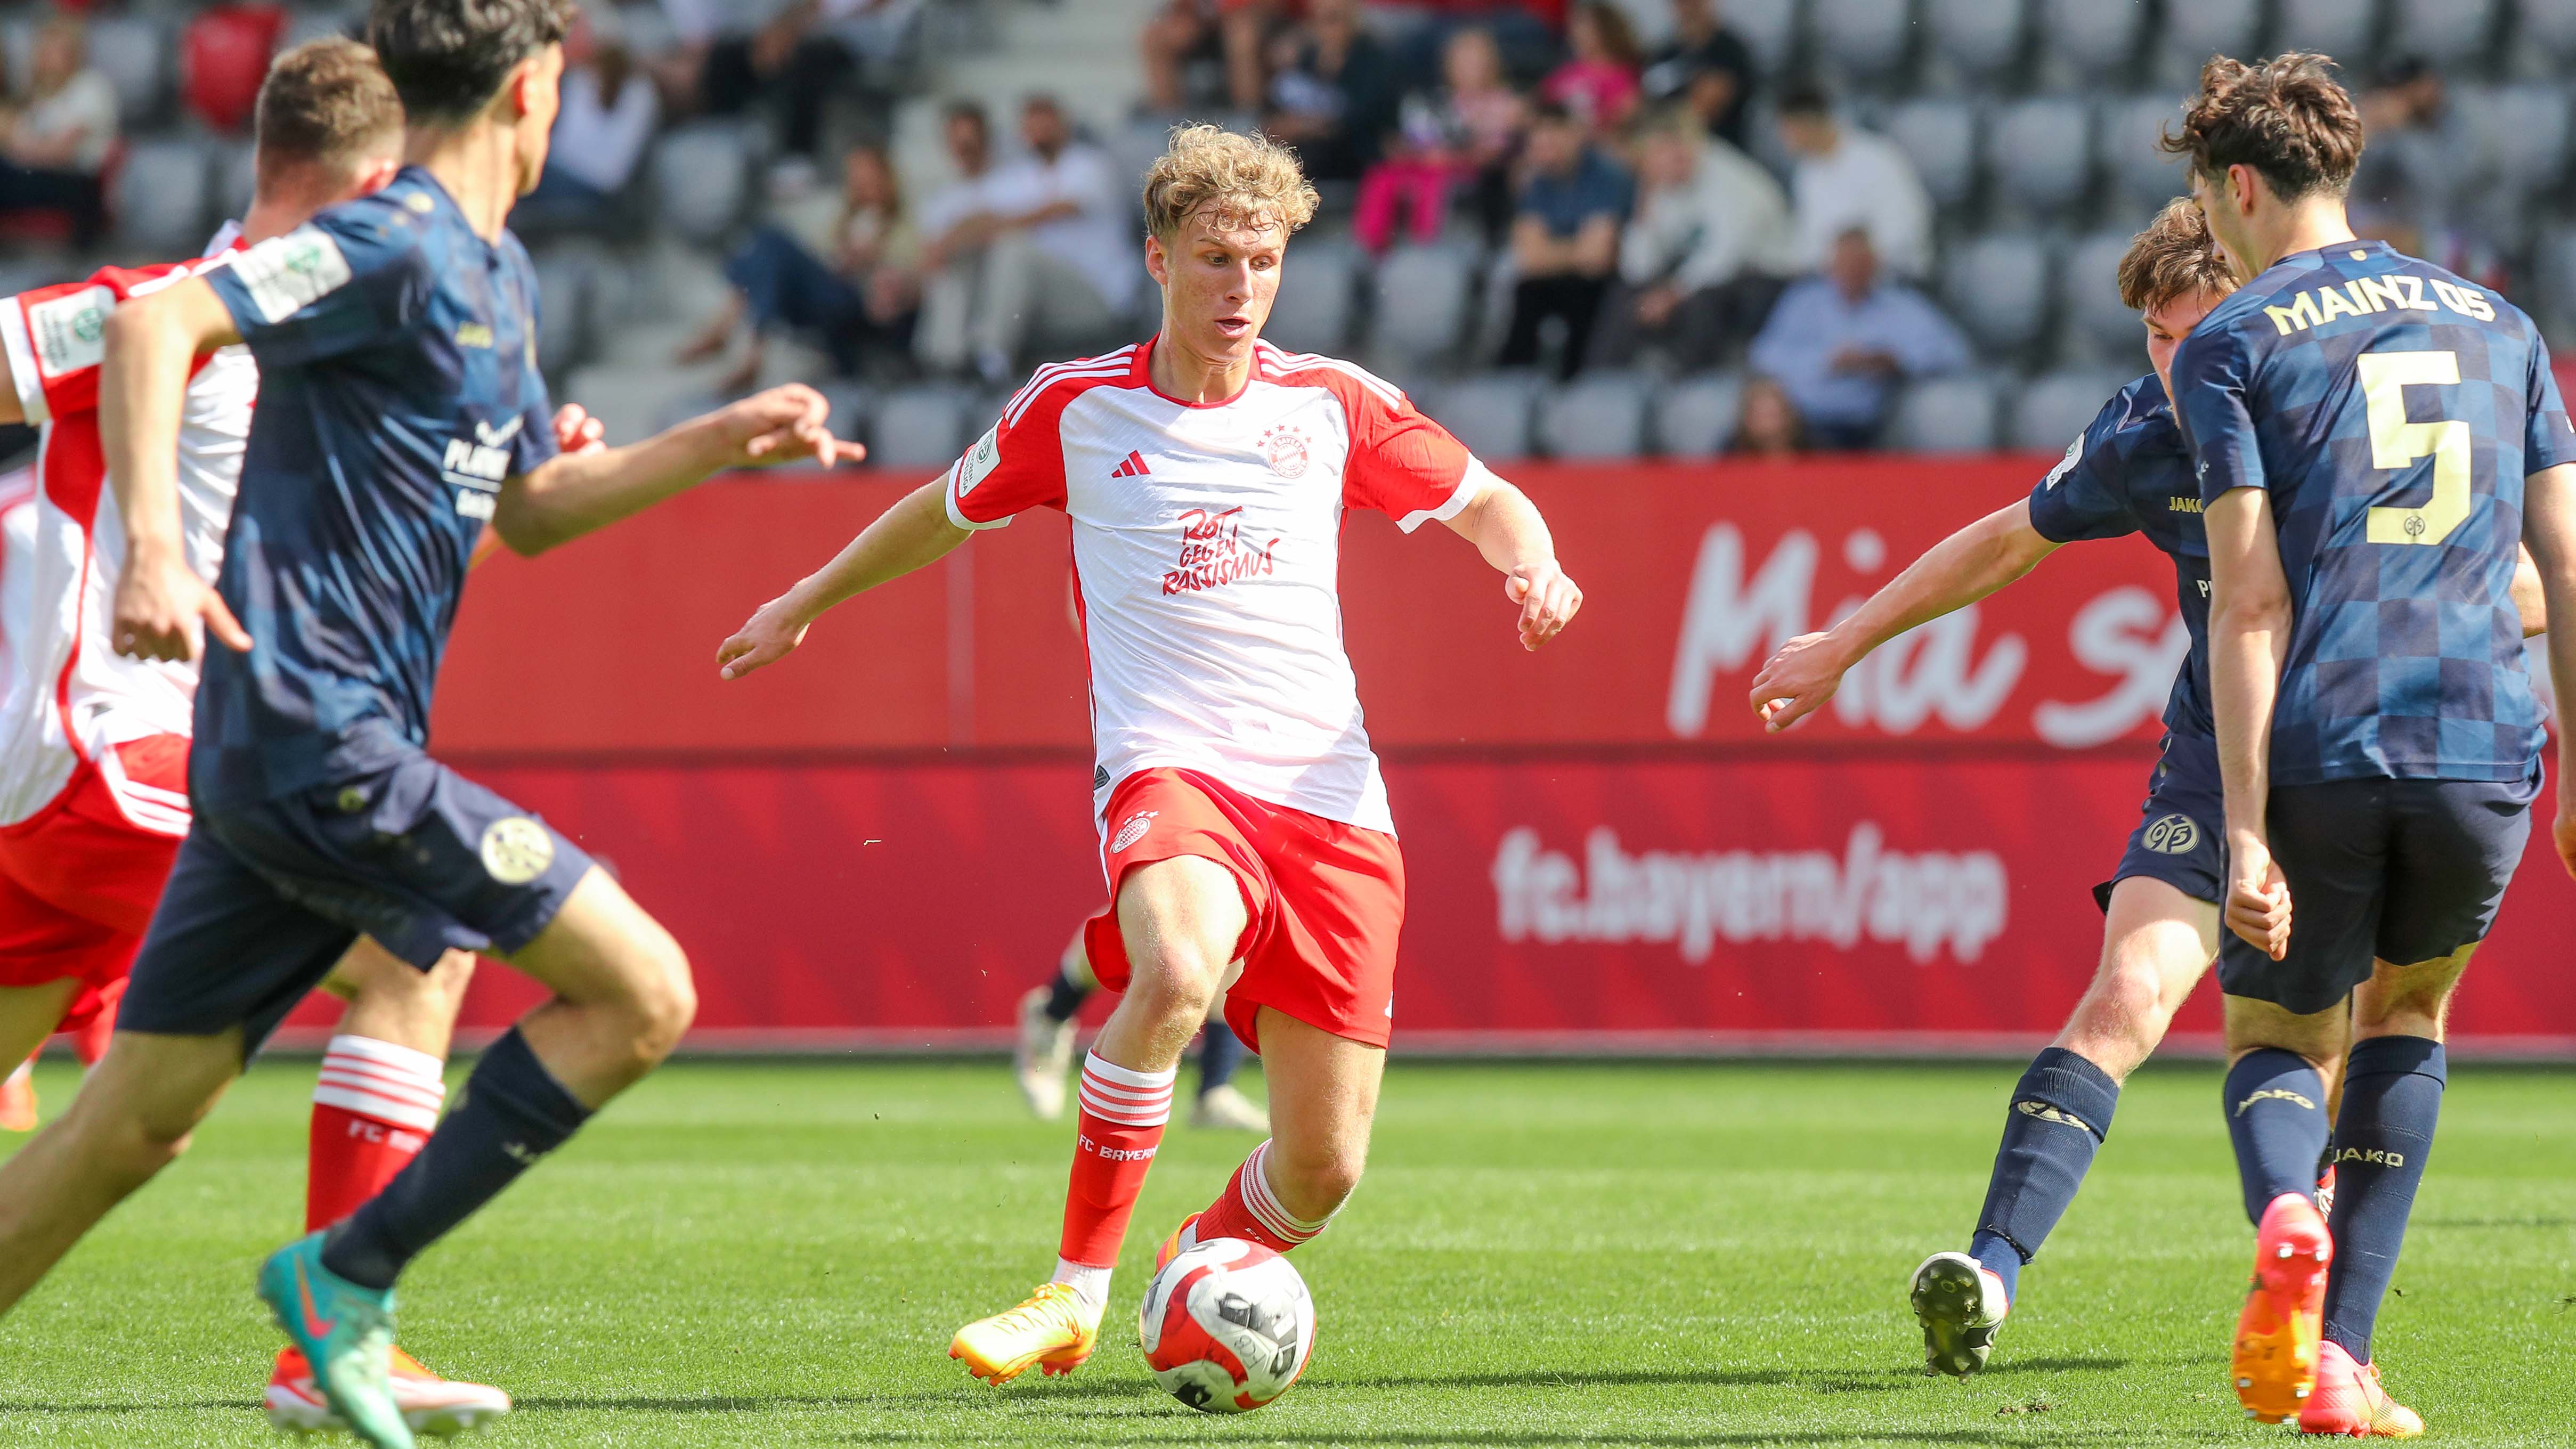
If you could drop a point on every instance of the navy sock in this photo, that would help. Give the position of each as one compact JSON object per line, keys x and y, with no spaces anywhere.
{"x":1220,"y":1054}
{"x":513,"y":1112}
{"x":2392,"y":1095}
{"x":2061,"y":1111}
{"x":2276,"y":1116}
{"x":1064,"y":998}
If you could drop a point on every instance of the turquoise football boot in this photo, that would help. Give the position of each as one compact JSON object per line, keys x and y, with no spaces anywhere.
{"x":346,"y":1332}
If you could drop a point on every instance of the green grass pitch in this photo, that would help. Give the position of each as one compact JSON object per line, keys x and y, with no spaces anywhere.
{"x":1617,"y":1255}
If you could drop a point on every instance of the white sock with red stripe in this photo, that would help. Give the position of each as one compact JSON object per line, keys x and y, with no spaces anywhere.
{"x":1249,"y":1209}
{"x":1119,"y":1129}
{"x":374,"y":1107}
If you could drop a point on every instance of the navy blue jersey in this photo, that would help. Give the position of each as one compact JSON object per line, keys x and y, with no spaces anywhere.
{"x":2392,"y":412}
{"x":398,"y":388}
{"x":2128,"y":472}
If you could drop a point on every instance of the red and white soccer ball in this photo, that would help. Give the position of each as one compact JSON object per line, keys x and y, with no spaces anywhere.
{"x":1227,"y":1326}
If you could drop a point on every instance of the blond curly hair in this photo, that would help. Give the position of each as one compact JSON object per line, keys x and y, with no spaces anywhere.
{"x":1246,"y":182}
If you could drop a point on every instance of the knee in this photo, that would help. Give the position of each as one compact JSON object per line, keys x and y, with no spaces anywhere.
{"x":1314,"y":1181}
{"x":129,"y":1148}
{"x":1177,"y":986}
{"x":661,"y":1000}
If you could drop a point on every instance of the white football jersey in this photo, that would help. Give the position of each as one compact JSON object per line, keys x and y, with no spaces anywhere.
{"x":17,"y":555}
{"x":1206,"y":547}
{"x":69,"y":695}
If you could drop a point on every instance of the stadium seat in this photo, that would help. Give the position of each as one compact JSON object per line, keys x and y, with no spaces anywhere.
{"x":703,"y":176}
{"x":129,"y":50}
{"x":1695,"y":417}
{"x":2125,"y":147}
{"x":1318,"y":290}
{"x":1940,"y":137}
{"x":2195,"y":30}
{"x":2449,"y":33}
{"x":2049,"y":412}
{"x":633,"y":401}
{"x":1978,"y":37}
{"x":563,"y":311}
{"x":1135,"y":146}
{"x":236,"y":176}
{"x":2092,"y":38}
{"x":2039,"y":153}
{"x":851,"y":403}
{"x":2547,"y":26}
{"x":1491,"y":414}
{"x":1422,"y":301}
{"x":1864,"y":37}
{"x":2524,"y":127}
{"x":2556,"y":266}
{"x":159,"y":197}
{"x":918,"y":427}
{"x":324,"y":23}
{"x":1944,"y":415}
{"x":223,"y":57}
{"x":2340,"y":28}
{"x":1997,"y":286}
{"x":2089,"y":298}
{"x":1596,"y":417}
{"x":1769,"y":29}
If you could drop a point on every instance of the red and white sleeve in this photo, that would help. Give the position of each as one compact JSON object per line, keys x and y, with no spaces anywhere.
{"x":1403,"y":464}
{"x":1016,"y":466}
{"x":55,"y":338}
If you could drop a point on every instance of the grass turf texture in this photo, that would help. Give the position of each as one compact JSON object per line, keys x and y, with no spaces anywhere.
{"x":1622,"y":1255}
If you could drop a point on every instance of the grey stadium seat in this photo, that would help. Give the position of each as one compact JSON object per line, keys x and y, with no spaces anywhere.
{"x":633,"y":401}
{"x":1491,"y":414}
{"x":2039,"y":152}
{"x":2050,"y":412}
{"x":1318,"y":290}
{"x":563,"y":312}
{"x":2340,"y":28}
{"x":2524,"y":128}
{"x":1997,"y":286}
{"x":1695,"y":417}
{"x":918,"y":427}
{"x":2548,"y":26}
{"x":128,"y":50}
{"x":703,"y":176}
{"x":1422,"y":301}
{"x":1940,"y":137}
{"x":2125,"y":146}
{"x":2448,"y":33}
{"x":236,"y":176}
{"x":1980,"y":37}
{"x":1769,"y":29}
{"x":1598,"y":416}
{"x":1944,"y":415}
{"x":2094,"y":37}
{"x":160,"y":197}
{"x":1135,"y":146}
{"x":2089,"y":293}
{"x":2199,"y":29}
{"x":1865,"y":37}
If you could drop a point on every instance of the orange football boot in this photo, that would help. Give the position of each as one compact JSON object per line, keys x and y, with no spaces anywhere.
{"x":1050,"y":1328}
{"x":1172,"y":1245}
{"x":2274,"y":1363}
{"x":18,"y":1099}
{"x":430,"y":1404}
{"x":2349,"y":1401}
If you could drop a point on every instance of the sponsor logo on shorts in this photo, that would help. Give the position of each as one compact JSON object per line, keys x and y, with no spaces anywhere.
{"x":517,"y":850}
{"x":2275,"y":1094}
{"x":2172,"y":835}
{"x":1132,"y":829}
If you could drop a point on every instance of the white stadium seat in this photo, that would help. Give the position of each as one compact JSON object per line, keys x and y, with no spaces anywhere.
{"x":2524,"y":127}
{"x":1940,"y":137}
{"x":2339,"y":28}
{"x":1695,"y":417}
{"x":1423,"y":294}
{"x":2198,"y":29}
{"x":159,"y":201}
{"x":2125,"y":147}
{"x":918,"y":427}
{"x":2449,"y":33}
{"x":1318,"y":291}
{"x":2089,"y":297}
{"x":2051,"y":411}
{"x":2547,"y":26}
{"x":563,"y":311}
{"x":1944,"y":415}
{"x":1997,"y":287}
{"x":2039,"y":152}
{"x":1600,"y":416}
{"x":703,"y":177}
{"x":1769,"y":28}
{"x":2091,"y":37}
{"x":1979,"y":37}
{"x":1864,"y":37}
{"x":130,"y":50}
{"x":1491,"y":414}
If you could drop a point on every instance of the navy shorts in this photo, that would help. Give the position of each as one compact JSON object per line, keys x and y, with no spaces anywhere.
{"x":2177,"y":836}
{"x":265,"y":898}
{"x":2401,"y":871}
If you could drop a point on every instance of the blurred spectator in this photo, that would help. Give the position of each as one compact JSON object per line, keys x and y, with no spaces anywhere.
{"x":1767,"y":427}
{"x":1332,"y":87}
{"x":1188,"y":31}
{"x":798,"y":60}
{"x":859,"y":305}
{"x":1598,"y":82}
{"x":1565,"y":242}
{"x":2425,"y":175}
{"x":609,"y":114}
{"x":1839,"y":343}
{"x":1706,"y":65}
{"x":1846,"y":177}
{"x":223,"y":56}
{"x":1461,"y":135}
{"x":1036,"y":250}
{"x":1701,"y":262}
{"x":59,"y":136}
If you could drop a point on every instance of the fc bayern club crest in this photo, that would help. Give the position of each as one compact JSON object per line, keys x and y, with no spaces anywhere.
{"x":1286,"y":448}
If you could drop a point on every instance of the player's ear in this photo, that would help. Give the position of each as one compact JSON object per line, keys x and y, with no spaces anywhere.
{"x":1158,"y":263}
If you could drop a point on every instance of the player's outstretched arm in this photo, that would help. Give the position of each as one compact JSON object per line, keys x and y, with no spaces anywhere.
{"x":162,"y":607}
{"x":2549,"y":535}
{"x":913,"y":534}
{"x":1952,"y":574}
{"x":1506,"y":528}
{"x":2249,"y":641}
{"x":576,"y":493}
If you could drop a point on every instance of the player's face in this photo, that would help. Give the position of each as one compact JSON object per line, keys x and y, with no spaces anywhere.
{"x":2217,"y":200}
{"x":2167,"y":325}
{"x":540,"y":97}
{"x":1218,"y":282}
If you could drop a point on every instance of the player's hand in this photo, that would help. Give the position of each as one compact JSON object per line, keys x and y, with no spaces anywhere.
{"x":790,"y":424}
{"x":2564,"y":832}
{"x":772,"y":635}
{"x":2258,"y":897}
{"x":1548,"y":600}
{"x":1796,"y":682}
{"x":164,"y":611}
{"x":576,"y":431}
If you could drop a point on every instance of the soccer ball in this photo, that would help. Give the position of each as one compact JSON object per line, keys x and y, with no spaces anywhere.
{"x":1226,"y":1326}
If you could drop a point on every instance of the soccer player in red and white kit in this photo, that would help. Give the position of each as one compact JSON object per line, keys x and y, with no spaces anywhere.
{"x":1244,"y":825}
{"x":94,"y":745}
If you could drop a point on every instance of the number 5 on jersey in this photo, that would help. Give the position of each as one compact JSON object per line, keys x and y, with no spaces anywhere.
{"x":2396,"y":443}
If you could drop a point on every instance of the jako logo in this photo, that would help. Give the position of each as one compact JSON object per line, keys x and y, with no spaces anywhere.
{"x":2376,"y":1157}
{"x":1925,"y":902}
{"x":2274,"y":1094}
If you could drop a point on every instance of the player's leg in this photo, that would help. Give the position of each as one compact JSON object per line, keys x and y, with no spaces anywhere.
{"x":1180,"y":920}
{"x":28,"y":1014}
{"x":1043,"y":1052}
{"x":1323,"y":1100}
{"x":2156,"y":943}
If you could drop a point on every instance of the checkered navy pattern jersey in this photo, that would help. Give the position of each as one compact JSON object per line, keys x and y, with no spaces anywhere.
{"x":2392,"y":411}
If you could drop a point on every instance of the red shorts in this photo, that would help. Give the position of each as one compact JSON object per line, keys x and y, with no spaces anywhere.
{"x":1326,"y":900}
{"x":79,"y":878}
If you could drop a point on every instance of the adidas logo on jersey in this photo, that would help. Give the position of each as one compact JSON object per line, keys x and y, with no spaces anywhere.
{"x":1133,"y":467}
